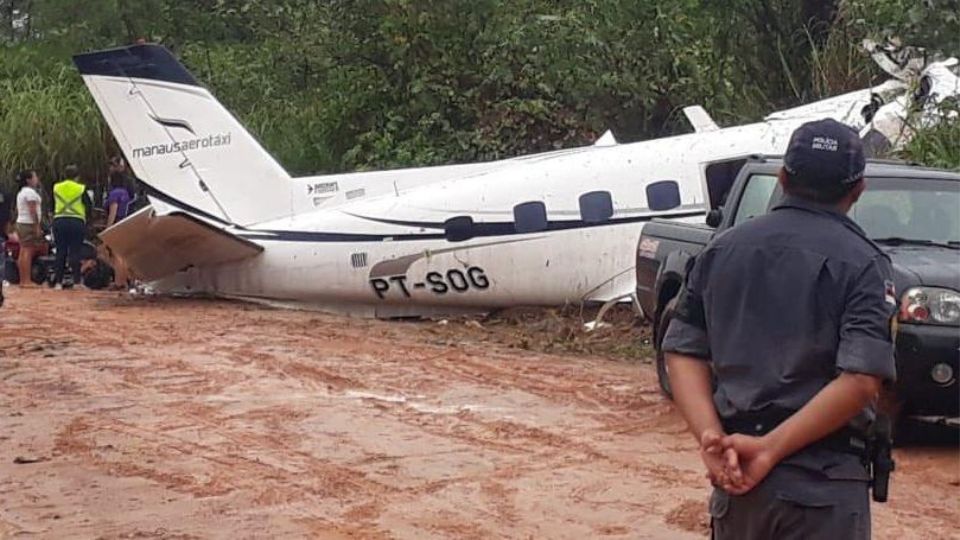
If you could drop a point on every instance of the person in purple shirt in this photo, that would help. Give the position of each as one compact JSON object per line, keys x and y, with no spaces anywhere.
{"x":118,"y":207}
{"x":118,"y":200}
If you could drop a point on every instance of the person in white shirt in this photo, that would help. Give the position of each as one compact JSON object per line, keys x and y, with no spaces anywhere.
{"x":28,"y":222}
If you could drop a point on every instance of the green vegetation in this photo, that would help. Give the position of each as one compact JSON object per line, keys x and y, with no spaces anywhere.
{"x":359,"y":84}
{"x":937,"y":146}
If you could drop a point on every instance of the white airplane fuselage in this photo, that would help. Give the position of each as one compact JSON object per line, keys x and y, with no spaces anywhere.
{"x":342,"y":254}
{"x":546,"y":229}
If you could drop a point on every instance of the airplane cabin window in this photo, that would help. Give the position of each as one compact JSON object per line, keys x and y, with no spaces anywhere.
{"x":663,"y":195}
{"x":458,"y":229}
{"x":530,"y":217}
{"x":596,"y":206}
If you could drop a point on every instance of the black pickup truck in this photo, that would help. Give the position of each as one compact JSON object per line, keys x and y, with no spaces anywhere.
{"x":913,"y":213}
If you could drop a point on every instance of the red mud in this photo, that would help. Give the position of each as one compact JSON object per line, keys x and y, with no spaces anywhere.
{"x":193,"y":419}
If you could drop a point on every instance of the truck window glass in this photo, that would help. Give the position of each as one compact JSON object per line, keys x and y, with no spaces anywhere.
{"x":596,"y":206}
{"x":663,"y":195}
{"x":755,"y":200}
{"x":912,"y":208}
{"x":530,"y":217}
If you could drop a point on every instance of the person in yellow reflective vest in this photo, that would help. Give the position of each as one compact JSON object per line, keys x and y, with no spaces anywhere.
{"x":71,"y":209}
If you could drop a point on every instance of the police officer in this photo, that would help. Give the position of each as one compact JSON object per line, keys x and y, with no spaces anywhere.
{"x":71,"y":209}
{"x":791,"y":314}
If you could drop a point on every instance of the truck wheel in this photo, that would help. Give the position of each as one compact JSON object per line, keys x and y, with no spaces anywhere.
{"x":663,"y":374}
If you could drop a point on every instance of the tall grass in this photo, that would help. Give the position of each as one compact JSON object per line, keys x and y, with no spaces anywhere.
{"x":840,"y":65}
{"x":936,"y":146}
{"x":48,"y":122}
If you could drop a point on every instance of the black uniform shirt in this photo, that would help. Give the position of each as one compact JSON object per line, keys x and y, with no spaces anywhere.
{"x":780,"y":305}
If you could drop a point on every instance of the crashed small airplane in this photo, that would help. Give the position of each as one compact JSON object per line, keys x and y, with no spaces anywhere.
{"x":547,"y":229}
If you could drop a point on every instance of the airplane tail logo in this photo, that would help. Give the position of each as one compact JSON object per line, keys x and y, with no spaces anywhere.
{"x":169,"y":122}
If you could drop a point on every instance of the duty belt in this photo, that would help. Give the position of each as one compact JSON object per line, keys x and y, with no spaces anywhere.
{"x":846,"y":439}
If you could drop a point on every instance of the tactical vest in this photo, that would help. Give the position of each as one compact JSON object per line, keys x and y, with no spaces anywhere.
{"x":68,"y":200}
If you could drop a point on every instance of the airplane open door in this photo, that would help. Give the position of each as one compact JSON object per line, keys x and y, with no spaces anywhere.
{"x":719,"y":176}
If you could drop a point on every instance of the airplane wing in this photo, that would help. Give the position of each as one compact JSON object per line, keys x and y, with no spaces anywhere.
{"x":846,"y":108}
{"x":160,"y":240}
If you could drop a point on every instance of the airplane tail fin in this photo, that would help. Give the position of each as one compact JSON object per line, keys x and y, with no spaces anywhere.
{"x":181,"y":141}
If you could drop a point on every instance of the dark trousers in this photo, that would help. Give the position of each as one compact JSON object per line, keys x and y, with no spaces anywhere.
{"x":68,"y":234}
{"x":793,"y":504}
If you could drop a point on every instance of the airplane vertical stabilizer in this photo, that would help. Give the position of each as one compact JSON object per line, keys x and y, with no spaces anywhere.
{"x":180,"y":140}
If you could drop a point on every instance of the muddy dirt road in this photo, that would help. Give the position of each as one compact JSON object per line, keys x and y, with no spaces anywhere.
{"x":145,"y":418}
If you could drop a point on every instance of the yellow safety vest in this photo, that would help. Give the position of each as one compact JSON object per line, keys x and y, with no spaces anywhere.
{"x":68,"y":199}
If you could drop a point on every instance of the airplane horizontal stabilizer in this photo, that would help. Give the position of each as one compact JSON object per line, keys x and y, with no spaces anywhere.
{"x":608,"y":139}
{"x":155,"y":246}
{"x":700,"y":119}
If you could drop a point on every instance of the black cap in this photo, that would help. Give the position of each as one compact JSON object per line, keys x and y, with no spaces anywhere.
{"x":825,"y":154}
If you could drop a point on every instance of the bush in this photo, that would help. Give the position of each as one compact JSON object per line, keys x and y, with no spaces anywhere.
{"x":360,"y":84}
{"x":937,"y":146}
